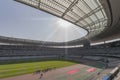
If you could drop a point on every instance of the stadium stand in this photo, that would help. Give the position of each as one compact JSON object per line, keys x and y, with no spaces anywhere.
{"x":25,"y":51}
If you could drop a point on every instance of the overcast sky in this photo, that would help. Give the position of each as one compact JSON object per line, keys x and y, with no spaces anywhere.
{"x":21,"y":21}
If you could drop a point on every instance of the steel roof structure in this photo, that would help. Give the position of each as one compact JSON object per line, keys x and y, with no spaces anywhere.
{"x":88,"y":14}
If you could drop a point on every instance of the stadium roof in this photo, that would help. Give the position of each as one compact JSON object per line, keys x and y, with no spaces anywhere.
{"x":99,"y":17}
{"x":88,"y":14}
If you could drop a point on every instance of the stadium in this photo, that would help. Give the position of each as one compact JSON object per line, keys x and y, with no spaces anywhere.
{"x":93,"y":56}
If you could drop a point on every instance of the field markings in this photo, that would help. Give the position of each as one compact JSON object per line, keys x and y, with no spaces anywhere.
{"x":67,"y":76}
{"x":79,"y":74}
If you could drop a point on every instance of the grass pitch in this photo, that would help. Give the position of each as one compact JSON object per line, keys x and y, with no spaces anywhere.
{"x":9,"y":70}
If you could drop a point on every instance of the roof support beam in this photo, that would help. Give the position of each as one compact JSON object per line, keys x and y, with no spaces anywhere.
{"x":39,"y":3}
{"x":70,"y":7}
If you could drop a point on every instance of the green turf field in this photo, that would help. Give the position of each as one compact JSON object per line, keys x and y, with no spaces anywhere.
{"x":8,"y":70}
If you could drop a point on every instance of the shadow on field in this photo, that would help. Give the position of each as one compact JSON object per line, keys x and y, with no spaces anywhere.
{"x":92,"y":63}
{"x":84,"y":62}
{"x":31,"y":61}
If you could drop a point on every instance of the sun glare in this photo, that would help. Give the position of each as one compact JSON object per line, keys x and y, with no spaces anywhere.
{"x":63,"y":23}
